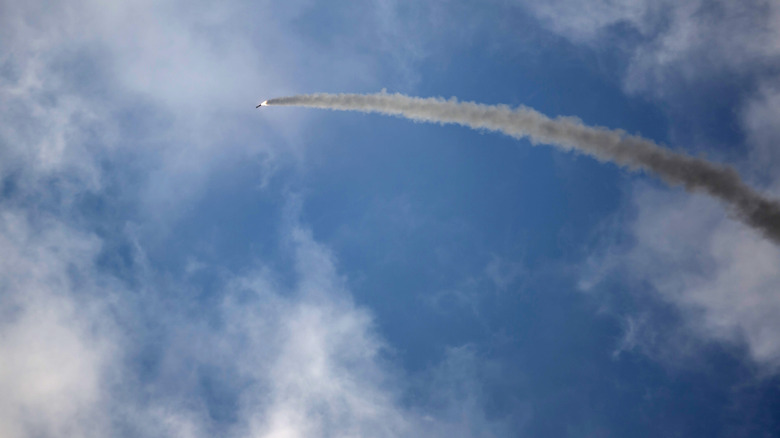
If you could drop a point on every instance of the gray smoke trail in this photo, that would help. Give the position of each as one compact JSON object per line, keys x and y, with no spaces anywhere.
{"x":568,"y":133}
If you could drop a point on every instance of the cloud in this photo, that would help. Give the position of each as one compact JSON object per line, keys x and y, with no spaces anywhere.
{"x":57,"y":345}
{"x":672,"y":44}
{"x":51,"y":131}
{"x":318,"y":367}
{"x":86,"y":355}
{"x":505,"y":273}
{"x":586,"y":22}
{"x":759,"y":117}
{"x":722,"y":278}
{"x":460,"y":383}
{"x":134,"y":105}
{"x":162,"y":93}
{"x":313,"y":357}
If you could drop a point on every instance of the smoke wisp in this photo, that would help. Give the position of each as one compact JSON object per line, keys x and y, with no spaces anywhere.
{"x":569,"y":133}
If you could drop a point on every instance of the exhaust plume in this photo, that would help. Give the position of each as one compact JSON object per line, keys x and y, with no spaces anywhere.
{"x":569,"y":133}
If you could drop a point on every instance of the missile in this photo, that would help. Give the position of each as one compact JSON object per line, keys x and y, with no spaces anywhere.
{"x":263,"y":103}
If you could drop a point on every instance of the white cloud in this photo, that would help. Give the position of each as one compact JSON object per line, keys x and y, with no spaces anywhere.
{"x":312,"y":355}
{"x":721,"y":275}
{"x":677,"y":43}
{"x":169,"y":87}
{"x":49,"y":130}
{"x":298,"y":359}
{"x":585,"y":21}
{"x":759,"y":118}
{"x":318,"y":367}
{"x":701,"y":40}
{"x":55,"y":343}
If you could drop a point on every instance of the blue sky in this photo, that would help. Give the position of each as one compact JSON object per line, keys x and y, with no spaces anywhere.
{"x":176,"y":263}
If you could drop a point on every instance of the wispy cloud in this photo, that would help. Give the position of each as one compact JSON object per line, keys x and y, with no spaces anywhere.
{"x":283,"y":359}
{"x":713,"y":270}
{"x":144,"y":100}
{"x":674,"y":42}
{"x":722,"y":277}
{"x":58,"y":345}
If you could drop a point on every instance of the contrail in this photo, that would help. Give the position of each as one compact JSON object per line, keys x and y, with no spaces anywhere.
{"x":569,"y":133}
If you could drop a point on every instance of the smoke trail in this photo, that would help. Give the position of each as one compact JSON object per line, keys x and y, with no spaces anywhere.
{"x":568,"y":133}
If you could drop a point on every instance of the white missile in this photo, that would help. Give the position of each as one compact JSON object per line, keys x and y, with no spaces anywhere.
{"x":263,"y":103}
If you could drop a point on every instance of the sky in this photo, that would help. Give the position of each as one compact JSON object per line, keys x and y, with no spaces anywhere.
{"x":177,"y":263}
